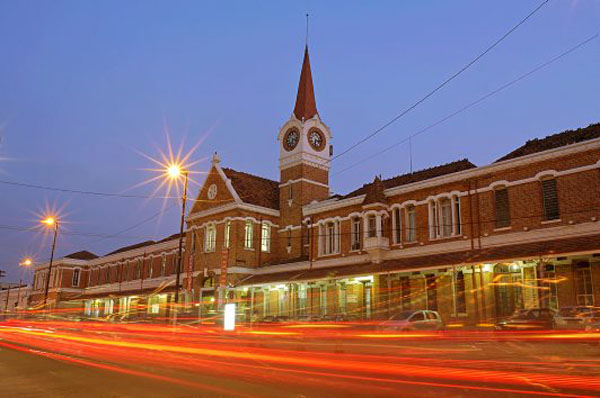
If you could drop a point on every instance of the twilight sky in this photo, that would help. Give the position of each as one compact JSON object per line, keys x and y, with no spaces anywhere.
{"x":85,"y":86}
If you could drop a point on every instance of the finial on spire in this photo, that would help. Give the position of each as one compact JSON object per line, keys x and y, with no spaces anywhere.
{"x":216,"y":159}
{"x":306,"y":36}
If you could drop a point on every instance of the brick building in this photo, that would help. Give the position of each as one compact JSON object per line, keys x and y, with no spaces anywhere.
{"x":474,"y":243}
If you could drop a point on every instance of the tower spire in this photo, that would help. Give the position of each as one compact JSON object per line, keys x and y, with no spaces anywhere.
{"x":306,"y":106}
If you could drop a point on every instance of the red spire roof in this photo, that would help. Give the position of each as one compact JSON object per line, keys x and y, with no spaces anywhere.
{"x":306,"y":106}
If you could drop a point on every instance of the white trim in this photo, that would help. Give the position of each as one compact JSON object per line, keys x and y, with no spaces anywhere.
{"x":232,"y":206}
{"x":303,"y":180}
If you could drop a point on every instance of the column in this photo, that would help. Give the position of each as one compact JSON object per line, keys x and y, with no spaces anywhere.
{"x":378,"y":225}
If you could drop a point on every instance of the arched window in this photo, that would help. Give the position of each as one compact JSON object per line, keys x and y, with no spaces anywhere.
{"x":265,"y":237}
{"x":248,"y":235}
{"x":210,"y":237}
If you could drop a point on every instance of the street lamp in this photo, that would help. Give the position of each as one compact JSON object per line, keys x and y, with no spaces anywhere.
{"x":50,"y":222}
{"x":24,"y":264}
{"x":175,"y":171}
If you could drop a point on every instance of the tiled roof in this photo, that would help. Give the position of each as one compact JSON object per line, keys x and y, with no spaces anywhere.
{"x":131,"y":247}
{"x":306,"y":106}
{"x":253,"y":189}
{"x":417,"y":176}
{"x":82,"y":255}
{"x":555,"y":141}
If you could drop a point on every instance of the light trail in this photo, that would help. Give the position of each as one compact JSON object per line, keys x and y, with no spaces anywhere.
{"x":251,"y":354}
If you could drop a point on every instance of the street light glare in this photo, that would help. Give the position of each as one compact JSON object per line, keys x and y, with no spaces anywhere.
{"x":27,"y":262}
{"x":49,"y":221}
{"x":174,"y":171}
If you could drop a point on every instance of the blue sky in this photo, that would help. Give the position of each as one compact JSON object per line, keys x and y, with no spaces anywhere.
{"x":85,"y":85}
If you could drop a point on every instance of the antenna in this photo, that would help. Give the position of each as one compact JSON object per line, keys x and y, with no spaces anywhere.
{"x":306,"y":37}
{"x":410,"y":152}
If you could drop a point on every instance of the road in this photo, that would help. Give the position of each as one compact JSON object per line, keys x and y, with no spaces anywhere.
{"x":64,"y":359}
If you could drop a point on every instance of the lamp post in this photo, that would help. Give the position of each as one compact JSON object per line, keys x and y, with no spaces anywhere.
{"x":24,"y":264}
{"x":175,"y":172}
{"x":50,"y":222}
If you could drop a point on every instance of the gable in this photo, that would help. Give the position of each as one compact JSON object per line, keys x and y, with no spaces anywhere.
{"x":223,"y":196}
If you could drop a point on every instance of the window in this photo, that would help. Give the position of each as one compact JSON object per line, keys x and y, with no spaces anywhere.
{"x":433,"y":220}
{"x":151,"y":268}
{"x":431,"y":286}
{"x":461,"y":302}
{"x":371,"y":226}
{"x":550,"y":199}
{"x":397,"y":235}
{"x":502,"y":208}
{"x":106,"y":274}
{"x":193,"y":240}
{"x":411,"y":224}
{"x":585,"y":293}
{"x":89,"y":283}
{"x":248,"y":234}
{"x":138,"y":269}
{"x":405,"y":291}
{"x":227,"y":232}
{"x":457,"y":224}
{"x":163,"y":264}
{"x":265,"y":237}
{"x":446,"y":217}
{"x":329,"y":238}
{"x":210,"y":237}
{"x":419,"y":316}
{"x":355,"y":234}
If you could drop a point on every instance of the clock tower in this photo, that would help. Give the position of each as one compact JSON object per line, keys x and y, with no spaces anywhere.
{"x":305,"y":152}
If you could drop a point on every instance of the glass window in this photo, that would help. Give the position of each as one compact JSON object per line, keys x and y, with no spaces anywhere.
{"x":419,"y":316}
{"x":151,"y":268}
{"x":163,"y":264}
{"x":502,"y":208}
{"x":397,"y":226}
{"x":461,"y":302}
{"x":227,"y":232}
{"x":457,"y":226}
{"x":550,"y":199}
{"x":210,"y":237}
{"x":585,"y":293}
{"x":248,"y":235}
{"x":446,"y":214}
{"x":75,"y":281}
{"x":355,"y":234}
{"x":411,"y":224}
{"x":372,"y":226}
{"x":265,"y":237}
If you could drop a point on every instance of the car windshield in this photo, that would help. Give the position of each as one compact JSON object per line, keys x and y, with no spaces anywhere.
{"x":521,"y":314}
{"x":402,"y":316}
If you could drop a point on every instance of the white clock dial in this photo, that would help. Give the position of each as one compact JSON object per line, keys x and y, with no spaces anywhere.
{"x":291,"y":139}
{"x":316,"y":140}
{"x":212,"y":191}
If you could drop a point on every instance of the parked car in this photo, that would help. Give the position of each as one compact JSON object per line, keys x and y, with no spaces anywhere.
{"x":528,"y":319}
{"x":578,"y":318}
{"x":414,"y":320}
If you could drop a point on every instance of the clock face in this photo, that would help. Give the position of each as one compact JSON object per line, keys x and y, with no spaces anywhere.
{"x":316,"y":140}
{"x":212,"y":191}
{"x":291,"y":138}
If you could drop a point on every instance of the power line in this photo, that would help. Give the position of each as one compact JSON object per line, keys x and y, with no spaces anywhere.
{"x":470,"y":105}
{"x":444,"y":83}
